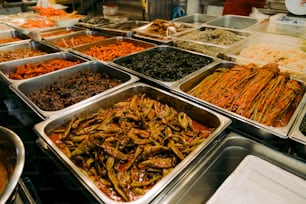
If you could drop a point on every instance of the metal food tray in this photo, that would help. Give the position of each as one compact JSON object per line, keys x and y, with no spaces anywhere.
{"x":295,"y":132}
{"x":79,"y":50}
{"x":201,"y":114}
{"x":94,"y":21}
{"x":279,"y":41}
{"x":10,"y":67}
{"x":16,"y":23}
{"x":199,"y":183}
{"x":12,"y":34}
{"x":156,"y":40}
{"x":38,"y":36}
{"x":239,"y":122}
{"x":143,"y":33}
{"x":197,"y":18}
{"x":53,"y":40}
{"x":207,"y":47}
{"x":25,"y":87}
{"x":234,"y":22}
{"x":115,"y":28}
{"x":151,"y":79}
{"x":29,"y":44}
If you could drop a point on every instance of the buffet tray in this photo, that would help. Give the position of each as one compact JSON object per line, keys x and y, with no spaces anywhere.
{"x":13,"y":34}
{"x":239,"y":122}
{"x":197,"y":185}
{"x":278,"y":49}
{"x":28,"y":45}
{"x":201,"y":114}
{"x":295,"y":132}
{"x":10,"y":67}
{"x":163,"y":49}
{"x":206,"y":46}
{"x":144,"y":33}
{"x":51,"y":33}
{"x":22,"y":88}
{"x":79,"y":50}
{"x":234,"y":22}
{"x":53,"y":40}
{"x":197,"y":18}
{"x":123,"y":28}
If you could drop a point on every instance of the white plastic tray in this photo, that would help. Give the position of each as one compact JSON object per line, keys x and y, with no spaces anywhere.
{"x":258,"y":181}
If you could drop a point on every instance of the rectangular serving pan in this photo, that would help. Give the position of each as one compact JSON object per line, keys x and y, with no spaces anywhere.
{"x":197,"y":18}
{"x":199,"y":183}
{"x":117,"y":29}
{"x":144,"y":30}
{"x":53,"y":40}
{"x":156,"y":40}
{"x":277,"y":43}
{"x":151,"y":79}
{"x":25,"y":87}
{"x":79,"y":50}
{"x":239,"y":122}
{"x":38,"y":36}
{"x":209,"y":48}
{"x":12,"y":34}
{"x":201,"y":114}
{"x":295,"y":132}
{"x":10,"y":67}
{"x":234,"y":22}
{"x":29,"y":44}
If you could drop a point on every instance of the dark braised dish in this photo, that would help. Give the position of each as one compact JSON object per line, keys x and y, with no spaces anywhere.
{"x":166,"y":64}
{"x":72,"y":89}
{"x":127,"y":148}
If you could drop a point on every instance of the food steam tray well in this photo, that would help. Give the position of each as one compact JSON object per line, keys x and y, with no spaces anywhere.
{"x":196,"y":112}
{"x":258,"y":181}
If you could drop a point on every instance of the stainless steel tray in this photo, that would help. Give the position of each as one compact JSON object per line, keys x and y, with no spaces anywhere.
{"x":79,"y":50}
{"x":28,"y":45}
{"x":199,"y":183}
{"x":52,"y":41}
{"x":272,"y":48}
{"x":10,"y":67}
{"x":234,"y":22}
{"x":201,"y":114}
{"x":123,"y":28}
{"x":203,"y":43}
{"x":239,"y":122}
{"x":145,"y":30}
{"x":12,"y":34}
{"x":197,"y":18}
{"x":156,"y":40}
{"x":295,"y":132}
{"x":23,"y":88}
{"x":162,"y":50}
{"x":51,"y":33}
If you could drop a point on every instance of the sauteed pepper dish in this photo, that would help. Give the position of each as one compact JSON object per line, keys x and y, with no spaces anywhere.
{"x":127,"y":148}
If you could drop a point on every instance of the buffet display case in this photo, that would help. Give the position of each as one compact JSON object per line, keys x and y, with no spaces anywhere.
{"x":75,"y":155}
